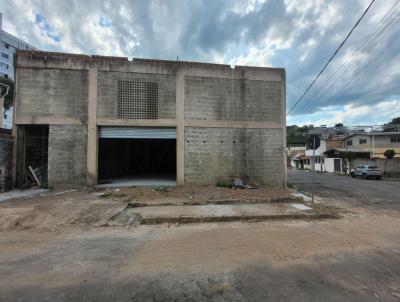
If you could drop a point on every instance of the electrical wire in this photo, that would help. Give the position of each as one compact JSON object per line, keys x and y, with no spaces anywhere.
{"x":331,"y":58}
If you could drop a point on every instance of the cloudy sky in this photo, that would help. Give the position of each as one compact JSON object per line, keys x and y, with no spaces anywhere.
{"x":361,"y":86}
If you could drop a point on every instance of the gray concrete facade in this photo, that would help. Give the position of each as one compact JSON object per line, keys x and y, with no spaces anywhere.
{"x":230,"y":122}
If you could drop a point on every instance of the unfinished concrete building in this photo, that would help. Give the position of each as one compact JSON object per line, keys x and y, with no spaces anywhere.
{"x":87,"y":120}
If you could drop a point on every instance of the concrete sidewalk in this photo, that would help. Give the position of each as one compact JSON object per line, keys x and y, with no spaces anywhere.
{"x":226,"y":212}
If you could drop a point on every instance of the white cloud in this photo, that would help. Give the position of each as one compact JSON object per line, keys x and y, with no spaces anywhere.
{"x":297,"y":35}
{"x":351,"y":114}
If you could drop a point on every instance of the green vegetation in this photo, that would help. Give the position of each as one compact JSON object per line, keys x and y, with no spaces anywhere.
{"x":8,"y":99}
{"x":348,"y":156}
{"x":389,"y":154}
{"x":297,"y":136}
{"x":394,"y":121}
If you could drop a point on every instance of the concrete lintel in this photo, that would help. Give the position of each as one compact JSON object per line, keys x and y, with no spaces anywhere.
{"x":92,"y":141}
{"x":49,"y":120}
{"x":139,"y":123}
{"x":232,"y":124}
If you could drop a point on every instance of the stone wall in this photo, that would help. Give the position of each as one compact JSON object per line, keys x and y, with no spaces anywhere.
{"x":67,"y":156}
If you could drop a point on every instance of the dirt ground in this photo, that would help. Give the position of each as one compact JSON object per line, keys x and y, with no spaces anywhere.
{"x":194,"y":194}
{"x":68,"y":252}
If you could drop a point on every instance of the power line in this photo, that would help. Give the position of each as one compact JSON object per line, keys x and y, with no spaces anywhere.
{"x":334,"y":54}
{"x":387,"y":21}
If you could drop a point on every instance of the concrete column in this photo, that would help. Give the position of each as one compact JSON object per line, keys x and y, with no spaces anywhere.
{"x":14,"y":130}
{"x":180,"y":128}
{"x":92,"y":140}
{"x":283,"y":119}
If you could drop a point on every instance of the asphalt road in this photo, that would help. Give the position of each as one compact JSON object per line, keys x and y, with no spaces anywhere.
{"x":380,"y":194}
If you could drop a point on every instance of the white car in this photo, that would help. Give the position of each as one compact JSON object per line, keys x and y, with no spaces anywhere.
{"x":366,"y":171}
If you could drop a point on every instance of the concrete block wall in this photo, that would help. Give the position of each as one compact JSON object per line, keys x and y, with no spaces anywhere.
{"x":208,"y":98}
{"x":215,"y":155}
{"x":67,"y":156}
{"x":52,"y":93}
{"x":196,"y":98}
{"x":107,"y":103}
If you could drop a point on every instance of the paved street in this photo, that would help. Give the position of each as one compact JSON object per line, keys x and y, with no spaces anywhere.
{"x":380,"y":194}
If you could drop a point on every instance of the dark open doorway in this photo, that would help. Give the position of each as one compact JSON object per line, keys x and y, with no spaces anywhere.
{"x":32,"y":156}
{"x":127,"y":161}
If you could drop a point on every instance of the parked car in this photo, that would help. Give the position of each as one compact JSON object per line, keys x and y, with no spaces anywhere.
{"x":366,"y":172}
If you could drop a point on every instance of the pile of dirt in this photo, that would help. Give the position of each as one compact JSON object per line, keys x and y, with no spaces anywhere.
{"x":194,"y":194}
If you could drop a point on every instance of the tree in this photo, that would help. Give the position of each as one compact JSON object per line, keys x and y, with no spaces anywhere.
{"x":348,"y":156}
{"x":338,"y":125}
{"x":393,"y":125}
{"x":389,"y":154}
{"x":297,"y":136}
{"x":8,"y":99}
{"x":395,"y":121}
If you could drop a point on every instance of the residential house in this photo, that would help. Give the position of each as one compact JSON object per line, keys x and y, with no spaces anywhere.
{"x":373,"y":144}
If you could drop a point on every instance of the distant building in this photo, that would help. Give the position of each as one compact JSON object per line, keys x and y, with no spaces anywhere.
{"x":8,"y":47}
{"x":373,"y":144}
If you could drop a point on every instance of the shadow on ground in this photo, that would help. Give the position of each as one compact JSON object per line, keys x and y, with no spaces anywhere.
{"x":361,"y":277}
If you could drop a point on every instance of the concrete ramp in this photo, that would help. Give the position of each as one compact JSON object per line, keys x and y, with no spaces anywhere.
{"x":226,"y":212}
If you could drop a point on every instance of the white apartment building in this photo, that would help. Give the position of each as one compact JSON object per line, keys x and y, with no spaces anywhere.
{"x":8,"y":45}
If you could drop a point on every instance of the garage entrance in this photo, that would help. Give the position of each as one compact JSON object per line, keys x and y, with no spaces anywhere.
{"x":142,"y":156}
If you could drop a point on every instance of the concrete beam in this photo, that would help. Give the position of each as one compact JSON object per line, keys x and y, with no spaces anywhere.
{"x":92,"y":140}
{"x":137,"y":123}
{"x":180,"y":128}
{"x":232,"y":124}
{"x":49,"y":120}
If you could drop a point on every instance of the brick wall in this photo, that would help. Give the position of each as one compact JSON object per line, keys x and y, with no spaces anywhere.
{"x":67,"y":156}
{"x":107,"y":104}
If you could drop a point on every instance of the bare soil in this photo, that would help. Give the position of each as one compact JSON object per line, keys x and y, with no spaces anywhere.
{"x":193,"y":194}
{"x":62,"y":247}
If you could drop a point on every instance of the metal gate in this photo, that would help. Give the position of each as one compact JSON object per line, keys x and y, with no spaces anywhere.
{"x":337,"y":165}
{"x":137,"y":132}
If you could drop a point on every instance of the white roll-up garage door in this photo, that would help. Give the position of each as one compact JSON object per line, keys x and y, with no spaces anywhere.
{"x":137,"y":132}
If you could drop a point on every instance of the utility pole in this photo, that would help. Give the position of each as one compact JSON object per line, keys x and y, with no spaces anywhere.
{"x":313,"y":171}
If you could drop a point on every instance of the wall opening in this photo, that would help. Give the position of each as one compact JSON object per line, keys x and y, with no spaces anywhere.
{"x":136,"y":161}
{"x":32,"y":156}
